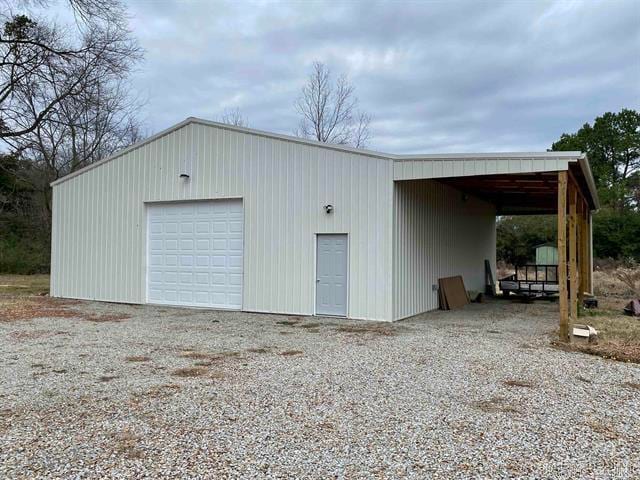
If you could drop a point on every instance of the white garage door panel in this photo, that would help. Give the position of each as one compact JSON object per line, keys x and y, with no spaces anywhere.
{"x":195,"y":254}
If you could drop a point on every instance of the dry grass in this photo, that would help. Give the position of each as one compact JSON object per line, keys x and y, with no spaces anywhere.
{"x":196,"y":355}
{"x":289,"y":323}
{"x":622,"y":282}
{"x":22,"y":285}
{"x":126,"y":443}
{"x":189,"y":372}
{"x":258,"y":350}
{"x":159,"y":391}
{"x":24,"y":297}
{"x":289,"y":353}
{"x":373,"y":329}
{"x":137,"y":358}
{"x":28,"y":308}
{"x":309,"y":325}
{"x":104,"y":317}
{"x":30,"y":335}
{"x":518,"y":383}
{"x":618,"y":334}
{"x":604,"y":429}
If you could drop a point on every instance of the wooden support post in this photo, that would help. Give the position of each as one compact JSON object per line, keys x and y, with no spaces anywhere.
{"x":585,"y":274}
{"x":573,"y":254}
{"x":562,"y":256}
{"x":589,"y":252}
{"x":581,"y":250}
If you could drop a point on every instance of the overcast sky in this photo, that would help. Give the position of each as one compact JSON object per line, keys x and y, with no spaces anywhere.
{"x":435,"y":76}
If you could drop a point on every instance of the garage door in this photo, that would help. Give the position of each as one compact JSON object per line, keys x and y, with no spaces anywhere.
{"x":195,"y":254}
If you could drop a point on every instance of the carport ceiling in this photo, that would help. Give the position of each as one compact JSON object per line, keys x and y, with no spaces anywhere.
{"x":513,"y":194}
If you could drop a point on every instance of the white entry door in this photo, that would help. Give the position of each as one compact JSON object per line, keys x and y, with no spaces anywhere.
{"x":331,"y":270}
{"x":195,"y":253}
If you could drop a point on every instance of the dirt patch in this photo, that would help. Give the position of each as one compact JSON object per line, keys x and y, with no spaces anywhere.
{"x":376,"y":330}
{"x":105,"y":317}
{"x":217,"y":375}
{"x":32,"y":335}
{"x":621,"y":351}
{"x":289,"y":353}
{"x":518,"y":383}
{"x":495,"y":405}
{"x":196,"y":355}
{"x":258,"y":350}
{"x":106,"y":378}
{"x":24,"y":285}
{"x":604,"y":429}
{"x":137,"y":358}
{"x":209,"y":358}
{"x":288,"y":322}
{"x":159,"y":391}
{"x":126,"y":444}
{"x":28,"y":308}
{"x":309,"y":325}
{"x":632,"y":385}
{"x":189,"y":372}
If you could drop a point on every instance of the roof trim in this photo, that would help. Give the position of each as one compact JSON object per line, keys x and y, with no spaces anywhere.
{"x":488,"y":155}
{"x":251,"y":131}
{"x":291,"y":138}
{"x":119,"y":153}
{"x":583,"y":161}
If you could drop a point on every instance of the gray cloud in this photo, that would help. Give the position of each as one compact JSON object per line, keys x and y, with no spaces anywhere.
{"x":436,"y":76}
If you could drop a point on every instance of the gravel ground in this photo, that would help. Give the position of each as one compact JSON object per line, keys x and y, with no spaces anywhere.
{"x":173,"y":393}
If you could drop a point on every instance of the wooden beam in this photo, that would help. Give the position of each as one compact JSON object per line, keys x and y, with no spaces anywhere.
{"x":585,"y":275}
{"x":562,"y":256}
{"x":573,"y":254}
{"x":581,"y":250}
{"x":589,"y":255}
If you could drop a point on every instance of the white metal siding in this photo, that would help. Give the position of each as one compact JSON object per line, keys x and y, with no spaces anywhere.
{"x":99,"y":244}
{"x":436,"y":233}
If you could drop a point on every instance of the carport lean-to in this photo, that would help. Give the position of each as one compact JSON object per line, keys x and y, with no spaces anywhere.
{"x":558,"y":183}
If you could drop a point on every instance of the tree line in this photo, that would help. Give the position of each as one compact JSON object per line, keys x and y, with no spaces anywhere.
{"x":612,"y":144}
{"x":66,"y":102}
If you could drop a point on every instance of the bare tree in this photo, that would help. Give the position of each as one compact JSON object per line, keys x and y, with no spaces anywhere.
{"x":41,"y":65}
{"x":330,"y":112}
{"x":65,"y":103}
{"x":233,"y":116}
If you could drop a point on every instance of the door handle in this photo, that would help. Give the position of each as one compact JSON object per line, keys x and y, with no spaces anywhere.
{"x":317,"y":280}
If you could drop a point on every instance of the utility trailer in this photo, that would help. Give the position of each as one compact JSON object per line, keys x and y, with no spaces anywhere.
{"x":531,"y":281}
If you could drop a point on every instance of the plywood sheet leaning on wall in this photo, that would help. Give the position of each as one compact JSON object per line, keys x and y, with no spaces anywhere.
{"x":452,"y":293}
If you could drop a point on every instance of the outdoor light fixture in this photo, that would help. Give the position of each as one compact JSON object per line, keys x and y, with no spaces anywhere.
{"x":328,"y":208}
{"x":185,"y":168}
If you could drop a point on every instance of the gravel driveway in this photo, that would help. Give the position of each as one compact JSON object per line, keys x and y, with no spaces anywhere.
{"x":202,"y":394}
